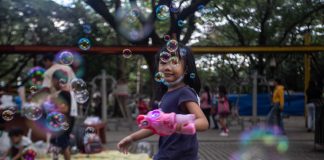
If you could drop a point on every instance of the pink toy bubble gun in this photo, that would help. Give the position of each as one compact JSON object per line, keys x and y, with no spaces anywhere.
{"x":165,"y":124}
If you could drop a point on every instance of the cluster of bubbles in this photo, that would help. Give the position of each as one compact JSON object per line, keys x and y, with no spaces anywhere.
{"x":84,"y":42}
{"x":203,"y":14}
{"x":262,"y":142}
{"x":79,"y":88}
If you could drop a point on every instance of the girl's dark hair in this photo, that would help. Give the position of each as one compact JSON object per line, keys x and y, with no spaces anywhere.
{"x":206,"y":89}
{"x":191,"y":77}
{"x":222,"y":90}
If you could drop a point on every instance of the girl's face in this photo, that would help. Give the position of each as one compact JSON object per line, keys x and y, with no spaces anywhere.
{"x":172,"y":71}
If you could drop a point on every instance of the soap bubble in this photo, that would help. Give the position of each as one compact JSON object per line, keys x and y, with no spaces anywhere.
{"x":90,"y":130}
{"x":162,"y":12}
{"x":192,"y":75}
{"x":33,"y":89}
{"x":166,"y":38}
{"x":82,"y":97}
{"x":165,"y":56}
{"x":86,"y":28}
{"x":65,"y":126}
{"x":84,"y":44}
{"x":65,"y":57}
{"x":172,"y":45}
{"x":7,"y":115}
{"x":127,"y":53}
{"x":181,"y":23}
{"x":78,"y":85}
{"x":159,"y":77}
{"x":54,"y":120}
{"x":174,"y":60}
{"x":33,"y":111}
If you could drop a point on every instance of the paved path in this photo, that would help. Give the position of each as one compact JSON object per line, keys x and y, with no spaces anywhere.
{"x":212,"y":146}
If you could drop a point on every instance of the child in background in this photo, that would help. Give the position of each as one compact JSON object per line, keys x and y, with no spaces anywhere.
{"x":223,"y":107}
{"x":18,"y":144}
{"x":63,"y":104}
{"x":179,"y":89}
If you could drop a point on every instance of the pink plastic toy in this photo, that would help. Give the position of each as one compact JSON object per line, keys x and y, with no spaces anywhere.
{"x":165,"y":124}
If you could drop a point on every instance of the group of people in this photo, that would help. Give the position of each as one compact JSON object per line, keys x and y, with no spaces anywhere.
{"x":56,"y":88}
{"x":217,"y":105}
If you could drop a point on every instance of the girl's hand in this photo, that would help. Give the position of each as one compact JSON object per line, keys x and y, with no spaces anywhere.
{"x":124,"y":144}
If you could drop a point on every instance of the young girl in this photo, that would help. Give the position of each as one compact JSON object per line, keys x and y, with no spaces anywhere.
{"x":223,"y":109}
{"x":180,"y":87}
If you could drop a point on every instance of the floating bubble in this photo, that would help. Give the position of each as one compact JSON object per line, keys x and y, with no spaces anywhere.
{"x":166,"y":38}
{"x":78,"y":85}
{"x":87,"y":28}
{"x":66,"y":57}
{"x":133,"y":15}
{"x":159,"y":77}
{"x":208,"y":27}
{"x":36,"y":74}
{"x":192,"y":75}
{"x":172,"y":45}
{"x":33,"y":89}
{"x":174,"y":60}
{"x":82,"y":97}
{"x":7,"y":115}
{"x":181,"y":23}
{"x":90,"y":130}
{"x":84,"y":44}
{"x":165,"y":56}
{"x":55,"y":120}
{"x":174,"y":8}
{"x":162,"y":12}
{"x":33,"y":111}
{"x":200,"y":8}
{"x":65,"y":126}
{"x":127,"y":53}
{"x":183,"y":52}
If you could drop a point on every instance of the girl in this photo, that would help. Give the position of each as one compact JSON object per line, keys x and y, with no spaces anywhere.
{"x":205,"y":103}
{"x":180,"y":87}
{"x":223,"y":109}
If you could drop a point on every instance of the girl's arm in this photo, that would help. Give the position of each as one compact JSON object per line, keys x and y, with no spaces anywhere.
{"x":201,"y":122}
{"x":141,"y":134}
{"x":127,"y":141}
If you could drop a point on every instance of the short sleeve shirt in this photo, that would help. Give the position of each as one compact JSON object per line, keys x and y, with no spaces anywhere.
{"x":178,"y":146}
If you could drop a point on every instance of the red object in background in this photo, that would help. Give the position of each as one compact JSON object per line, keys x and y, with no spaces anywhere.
{"x":142,"y":107}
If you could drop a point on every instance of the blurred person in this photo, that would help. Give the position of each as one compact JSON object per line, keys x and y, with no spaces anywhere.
{"x":313,"y":93}
{"x":205,"y":103}
{"x":213,"y":111}
{"x":275,"y":115}
{"x":49,"y":63}
{"x":142,"y":106}
{"x":18,"y":143}
{"x":63,"y":103}
{"x":223,"y":109}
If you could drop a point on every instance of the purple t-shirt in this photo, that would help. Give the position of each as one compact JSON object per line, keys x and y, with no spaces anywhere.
{"x":177,"y":146}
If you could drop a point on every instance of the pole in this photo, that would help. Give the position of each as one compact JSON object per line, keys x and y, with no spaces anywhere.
{"x":104,"y":96}
{"x":254,"y":97}
{"x":307,"y":68}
